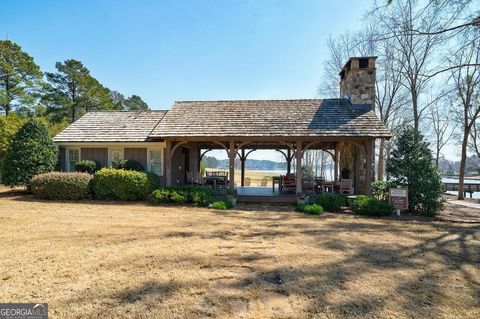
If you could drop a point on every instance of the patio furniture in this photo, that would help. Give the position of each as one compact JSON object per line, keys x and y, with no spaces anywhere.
{"x":217,"y":179}
{"x":308,"y":185}
{"x":345,"y":187}
{"x":247,"y":181}
{"x":328,"y":186}
{"x":194,"y":178}
{"x":276,"y":180}
{"x":288,"y":183}
{"x":264,"y":182}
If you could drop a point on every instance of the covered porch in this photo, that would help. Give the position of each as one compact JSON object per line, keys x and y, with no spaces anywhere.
{"x":292,"y":127}
{"x":352,"y":161}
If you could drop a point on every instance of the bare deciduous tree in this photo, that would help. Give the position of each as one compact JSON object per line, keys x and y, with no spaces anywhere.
{"x":440,"y":130}
{"x":466,"y":82}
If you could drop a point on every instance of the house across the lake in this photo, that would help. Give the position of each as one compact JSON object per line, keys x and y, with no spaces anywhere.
{"x":172,"y":143}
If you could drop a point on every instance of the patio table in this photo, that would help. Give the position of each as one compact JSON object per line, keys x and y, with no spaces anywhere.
{"x":277,"y":180}
{"x":215,"y":180}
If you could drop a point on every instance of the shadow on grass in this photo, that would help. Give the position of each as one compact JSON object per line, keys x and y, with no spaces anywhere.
{"x":438,"y":250}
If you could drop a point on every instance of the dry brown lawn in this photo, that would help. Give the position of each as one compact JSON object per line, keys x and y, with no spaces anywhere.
{"x":110,"y":260}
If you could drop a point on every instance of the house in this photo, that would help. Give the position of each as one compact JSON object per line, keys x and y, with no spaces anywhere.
{"x":172,"y":143}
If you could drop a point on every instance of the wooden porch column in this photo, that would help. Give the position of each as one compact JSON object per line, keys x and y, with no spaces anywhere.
{"x":298,"y":158}
{"x":242,"y":164}
{"x":168,"y":165}
{"x":289,"y":161}
{"x":336,"y":159}
{"x":369,"y":166}
{"x":231,"y":155}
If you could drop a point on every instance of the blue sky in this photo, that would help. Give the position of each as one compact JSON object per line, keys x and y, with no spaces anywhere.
{"x":186,"y":50}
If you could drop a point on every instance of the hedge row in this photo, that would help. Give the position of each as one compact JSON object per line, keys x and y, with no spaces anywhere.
{"x":106,"y":184}
{"x":61,"y":186}
{"x":119,"y":184}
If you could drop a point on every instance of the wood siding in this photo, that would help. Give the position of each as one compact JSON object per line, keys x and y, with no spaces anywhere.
{"x":95,"y":154}
{"x":136,"y":154}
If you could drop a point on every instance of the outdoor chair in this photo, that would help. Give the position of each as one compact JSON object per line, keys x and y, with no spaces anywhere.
{"x":247,"y":181}
{"x":264,"y":182}
{"x":288,"y":183}
{"x":345,"y":187}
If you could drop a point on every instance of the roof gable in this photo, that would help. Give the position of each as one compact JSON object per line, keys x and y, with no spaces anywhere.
{"x":111,"y":126}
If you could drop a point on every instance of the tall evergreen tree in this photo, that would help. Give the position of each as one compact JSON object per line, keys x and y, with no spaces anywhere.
{"x":134,"y":103}
{"x":411,"y":164}
{"x":20,"y":77}
{"x":30,"y":152}
{"x":74,"y":91}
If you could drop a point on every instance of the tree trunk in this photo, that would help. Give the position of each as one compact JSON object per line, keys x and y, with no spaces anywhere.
{"x":381,"y":160}
{"x":416,"y":119}
{"x":463,"y":161}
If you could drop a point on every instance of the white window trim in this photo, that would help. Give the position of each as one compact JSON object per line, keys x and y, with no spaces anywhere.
{"x":149,"y":159}
{"x":110,"y":153}
{"x":67,"y":157}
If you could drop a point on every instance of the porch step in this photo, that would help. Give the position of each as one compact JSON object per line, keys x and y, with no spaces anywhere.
{"x":267,"y":199}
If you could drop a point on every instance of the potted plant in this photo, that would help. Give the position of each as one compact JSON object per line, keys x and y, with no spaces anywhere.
{"x":232,"y":196}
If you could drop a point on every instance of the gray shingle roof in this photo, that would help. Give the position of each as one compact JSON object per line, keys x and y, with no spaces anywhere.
{"x":309,"y":117}
{"x":111,"y":126}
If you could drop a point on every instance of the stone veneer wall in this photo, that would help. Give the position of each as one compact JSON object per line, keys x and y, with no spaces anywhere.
{"x":359,"y":84}
{"x":353,"y":158}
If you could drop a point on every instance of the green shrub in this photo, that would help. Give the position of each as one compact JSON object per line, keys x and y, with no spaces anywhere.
{"x":313,"y":209}
{"x":88,"y":166}
{"x":331,"y":202}
{"x":119,"y":184}
{"x":61,"y":186}
{"x":153,"y":181}
{"x":30,"y":152}
{"x":131,"y":165}
{"x":201,"y":195}
{"x":380,"y":189}
{"x":222,"y":204}
{"x":178,"y":197}
{"x":300,"y":208}
{"x":198,"y":195}
{"x":159,"y":196}
{"x":364,"y":205}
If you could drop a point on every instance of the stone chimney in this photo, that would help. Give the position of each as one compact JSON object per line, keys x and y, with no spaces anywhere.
{"x":357,"y":80}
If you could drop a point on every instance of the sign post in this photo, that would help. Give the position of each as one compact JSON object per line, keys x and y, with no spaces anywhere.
{"x":399,"y":199}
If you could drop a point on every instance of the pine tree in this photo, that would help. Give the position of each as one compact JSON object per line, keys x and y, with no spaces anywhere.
{"x":30,"y":152}
{"x":411,"y":165}
{"x":20,"y":78}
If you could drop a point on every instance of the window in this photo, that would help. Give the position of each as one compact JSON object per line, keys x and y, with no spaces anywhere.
{"x":117,"y":157}
{"x":156,"y":163}
{"x":73,"y":157}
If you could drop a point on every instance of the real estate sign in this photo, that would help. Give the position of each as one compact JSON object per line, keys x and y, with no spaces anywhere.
{"x":399,"y":198}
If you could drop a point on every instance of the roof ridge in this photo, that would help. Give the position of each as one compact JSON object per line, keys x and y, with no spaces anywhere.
{"x":124,"y":111}
{"x":251,"y":100}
